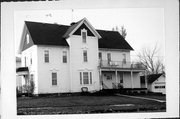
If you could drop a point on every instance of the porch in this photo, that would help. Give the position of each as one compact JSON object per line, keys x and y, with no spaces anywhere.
{"x":120,"y":75}
{"x":22,"y":79}
{"x":121,"y":64}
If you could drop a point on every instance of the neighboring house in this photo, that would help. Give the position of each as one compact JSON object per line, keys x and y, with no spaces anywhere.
{"x":156,"y":83}
{"x":62,"y":58}
{"x":18,"y":78}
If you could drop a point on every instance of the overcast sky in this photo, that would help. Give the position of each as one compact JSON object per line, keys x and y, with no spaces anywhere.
{"x":144,"y":26}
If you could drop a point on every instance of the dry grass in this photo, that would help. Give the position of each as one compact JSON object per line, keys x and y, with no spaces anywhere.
{"x":85,"y":104}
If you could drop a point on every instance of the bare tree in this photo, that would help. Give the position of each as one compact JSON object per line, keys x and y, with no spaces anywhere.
{"x":123,"y":32}
{"x":149,"y":58}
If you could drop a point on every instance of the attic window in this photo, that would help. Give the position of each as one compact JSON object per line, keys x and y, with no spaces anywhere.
{"x":27,"y":38}
{"x":84,"y":35}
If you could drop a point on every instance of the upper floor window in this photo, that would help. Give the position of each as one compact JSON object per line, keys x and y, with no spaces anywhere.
{"x":46,"y":56}
{"x":27,"y":38}
{"x":64,"y":56}
{"x":84,"y":35}
{"x":54,"y":78}
{"x":25,"y":61}
{"x":100,"y":55}
{"x":85,"y":58}
{"x":124,"y":58}
{"x":109,"y":56}
{"x":31,"y":59}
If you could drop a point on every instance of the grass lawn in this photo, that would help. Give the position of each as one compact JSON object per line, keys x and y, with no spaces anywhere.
{"x":152,"y":95}
{"x":81,"y":104}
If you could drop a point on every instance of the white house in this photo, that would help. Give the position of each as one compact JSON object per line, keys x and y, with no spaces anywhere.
{"x":60,"y":58}
{"x":156,"y":83}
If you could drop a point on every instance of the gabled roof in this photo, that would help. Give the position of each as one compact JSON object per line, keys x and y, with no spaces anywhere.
{"x":76,"y":25}
{"x":47,"y":34}
{"x":113,"y":40}
{"x":56,"y":34}
{"x":71,"y":28}
{"x":151,"y":78}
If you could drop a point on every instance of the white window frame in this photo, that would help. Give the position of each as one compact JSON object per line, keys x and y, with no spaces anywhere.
{"x":54,"y":79}
{"x":85,"y":57}
{"x":46,"y":56}
{"x":124,"y":58}
{"x":27,"y":38}
{"x":109,"y":77}
{"x":82,"y":35}
{"x":25,"y":61}
{"x":64,"y":57}
{"x":83,"y":80}
{"x":109,"y":56}
{"x":100,"y":55}
{"x":30,"y":59}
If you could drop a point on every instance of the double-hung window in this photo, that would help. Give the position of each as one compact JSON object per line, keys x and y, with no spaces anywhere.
{"x":64,"y":56}
{"x":46,"y":56}
{"x":85,"y":78}
{"x":27,"y":38}
{"x":109,"y":56}
{"x":54,"y":78}
{"x":84,"y":35}
{"x":124,"y":58}
{"x":25,"y":61}
{"x":85,"y":58}
{"x":100,"y":55}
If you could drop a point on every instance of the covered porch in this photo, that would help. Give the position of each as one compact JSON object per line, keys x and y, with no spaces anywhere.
{"x":22,"y":79}
{"x":120,"y":76}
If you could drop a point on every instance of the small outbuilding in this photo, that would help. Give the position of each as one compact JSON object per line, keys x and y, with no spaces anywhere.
{"x":156,"y":83}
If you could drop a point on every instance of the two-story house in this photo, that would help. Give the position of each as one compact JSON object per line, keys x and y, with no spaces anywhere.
{"x":61,"y":58}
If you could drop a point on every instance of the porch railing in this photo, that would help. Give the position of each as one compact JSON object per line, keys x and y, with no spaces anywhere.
{"x":117,"y":86}
{"x":120,"y":64}
{"x":104,"y":86}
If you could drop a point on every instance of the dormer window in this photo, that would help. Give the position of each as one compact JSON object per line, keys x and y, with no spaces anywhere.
{"x":27,"y":38}
{"x":84,"y":35}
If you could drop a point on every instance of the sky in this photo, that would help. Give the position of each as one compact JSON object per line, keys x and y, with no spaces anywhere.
{"x":144,"y":26}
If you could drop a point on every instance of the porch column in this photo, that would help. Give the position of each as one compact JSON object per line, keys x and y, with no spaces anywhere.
{"x":132,"y":82}
{"x":145,"y":80}
{"x":100,"y":79}
{"x":116,"y":77}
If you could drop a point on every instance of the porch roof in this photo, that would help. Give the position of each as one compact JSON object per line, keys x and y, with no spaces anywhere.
{"x":121,"y":69}
{"x":22,"y":69}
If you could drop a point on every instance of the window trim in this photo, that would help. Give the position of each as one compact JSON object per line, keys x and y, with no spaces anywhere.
{"x":100,"y":55}
{"x":124,"y":58}
{"x":27,"y":38}
{"x":85,"y":56}
{"x":53,"y":79}
{"x":109,"y":77}
{"x":88,"y":76}
{"x":25,"y":62}
{"x":64,"y":57}
{"x":82,"y":34}
{"x":109,"y":56}
{"x":45,"y":57}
